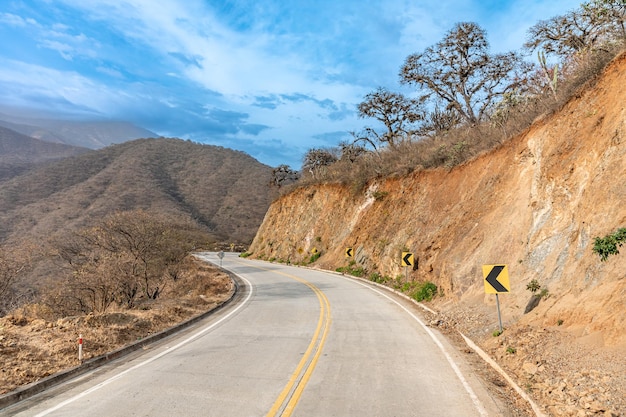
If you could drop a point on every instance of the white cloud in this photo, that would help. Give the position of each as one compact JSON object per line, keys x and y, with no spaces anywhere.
{"x":15,"y":20}
{"x":65,"y":50}
{"x":241,"y":58}
{"x":47,"y":85}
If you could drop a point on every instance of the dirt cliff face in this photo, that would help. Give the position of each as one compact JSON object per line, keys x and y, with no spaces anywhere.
{"x":535,"y":204}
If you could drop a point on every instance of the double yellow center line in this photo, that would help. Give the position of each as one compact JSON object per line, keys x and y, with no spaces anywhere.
{"x":289,"y":397}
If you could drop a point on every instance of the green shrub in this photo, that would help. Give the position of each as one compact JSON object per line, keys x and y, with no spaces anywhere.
{"x":533,"y":286}
{"x":425,"y":291}
{"x":245,"y":255}
{"x":379,"y":195}
{"x":352,"y":269}
{"x":608,"y":245}
{"x":376,"y":277}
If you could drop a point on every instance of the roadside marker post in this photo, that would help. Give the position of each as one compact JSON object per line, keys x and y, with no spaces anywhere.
{"x":496,"y":280}
{"x":80,"y":348}
{"x":220,"y":255}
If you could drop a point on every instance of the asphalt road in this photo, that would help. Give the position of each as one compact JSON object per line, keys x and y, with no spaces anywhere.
{"x":299,"y":342}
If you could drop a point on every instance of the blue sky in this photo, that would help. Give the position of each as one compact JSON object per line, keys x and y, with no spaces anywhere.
{"x":272,"y":78}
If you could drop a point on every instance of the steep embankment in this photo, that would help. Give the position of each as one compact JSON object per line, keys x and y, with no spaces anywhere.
{"x":536,"y":204}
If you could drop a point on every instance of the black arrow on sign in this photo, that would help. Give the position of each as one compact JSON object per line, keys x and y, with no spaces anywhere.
{"x":492,"y":279}
{"x":349,"y":252}
{"x":407,"y":259}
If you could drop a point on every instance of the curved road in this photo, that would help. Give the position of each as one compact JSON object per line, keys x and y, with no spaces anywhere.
{"x":299,"y":342}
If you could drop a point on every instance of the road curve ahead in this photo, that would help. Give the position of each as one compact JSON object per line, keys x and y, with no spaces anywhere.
{"x":300,"y":342}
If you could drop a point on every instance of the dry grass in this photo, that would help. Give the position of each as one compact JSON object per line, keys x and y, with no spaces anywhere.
{"x":461,"y":144}
{"x":35,"y":343}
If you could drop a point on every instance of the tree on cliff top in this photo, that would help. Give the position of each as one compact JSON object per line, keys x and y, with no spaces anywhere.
{"x":459,"y":72}
{"x":395,"y":111}
{"x":317,"y":160}
{"x":591,"y":27}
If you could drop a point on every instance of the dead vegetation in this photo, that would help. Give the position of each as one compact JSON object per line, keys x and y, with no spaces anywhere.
{"x":467,"y":101}
{"x":35,"y":342}
{"x":462,"y":143}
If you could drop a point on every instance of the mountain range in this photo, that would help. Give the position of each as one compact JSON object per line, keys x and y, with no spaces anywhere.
{"x":48,"y":188}
{"x":19,"y":153}
{"x":87,"y":134}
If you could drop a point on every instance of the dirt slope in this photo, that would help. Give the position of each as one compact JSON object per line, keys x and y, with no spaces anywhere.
{"x":535,"y":204}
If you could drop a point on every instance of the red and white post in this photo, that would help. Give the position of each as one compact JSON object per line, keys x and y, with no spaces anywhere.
{"x":80,"y":348}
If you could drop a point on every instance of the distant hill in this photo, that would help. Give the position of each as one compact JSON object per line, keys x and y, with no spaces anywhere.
{"x":87,"y":134}
{"x":19,"y":153}
{"x":223,"y":190}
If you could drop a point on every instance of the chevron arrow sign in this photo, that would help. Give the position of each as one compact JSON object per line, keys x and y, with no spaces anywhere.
{"x":496,"y":279}
{"x":407,"y":259}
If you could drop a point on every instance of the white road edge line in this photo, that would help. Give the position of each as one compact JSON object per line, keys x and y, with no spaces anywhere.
{"x":477,"y":403}
{"x":497,"y":367}
{"x":139,"y":365}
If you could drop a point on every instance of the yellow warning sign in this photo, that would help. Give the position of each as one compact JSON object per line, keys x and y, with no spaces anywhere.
{"x":407,"y":259}
{"x":496,"y":279}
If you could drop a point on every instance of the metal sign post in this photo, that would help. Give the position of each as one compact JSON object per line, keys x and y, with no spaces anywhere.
{"x":499,"y":316}
{"x":496,"y":281}
{"x":220,"y":255}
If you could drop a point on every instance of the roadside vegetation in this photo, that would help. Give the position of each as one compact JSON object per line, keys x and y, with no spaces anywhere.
{"x":126,"y":260}
{"x":36,"y":342}
{"x":419,"y":291}
{"x":464,"y":100}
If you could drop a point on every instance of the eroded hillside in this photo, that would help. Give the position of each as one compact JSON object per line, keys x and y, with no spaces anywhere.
{"x":536,"y":204}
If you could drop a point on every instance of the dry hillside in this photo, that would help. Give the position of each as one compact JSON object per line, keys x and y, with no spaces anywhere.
{"x":19,"y":153}
{"x":223,"y":190}
{"x":536,"y":203}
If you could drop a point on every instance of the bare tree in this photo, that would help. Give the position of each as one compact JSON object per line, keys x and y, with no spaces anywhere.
{"x":91,"y":284}
{"x":439,"y":121}
{"x":564,"y":35}
{"x":14,"y":262}
{"x":317,"y":160}
{"x":612,"y":13}
{"x":351,"y":151}
{"x":126,"y":256}
{"x":459,"y":72}
{"x":590,"y":27}
{"x":395,"y":111}
{"x":283,"y":175}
